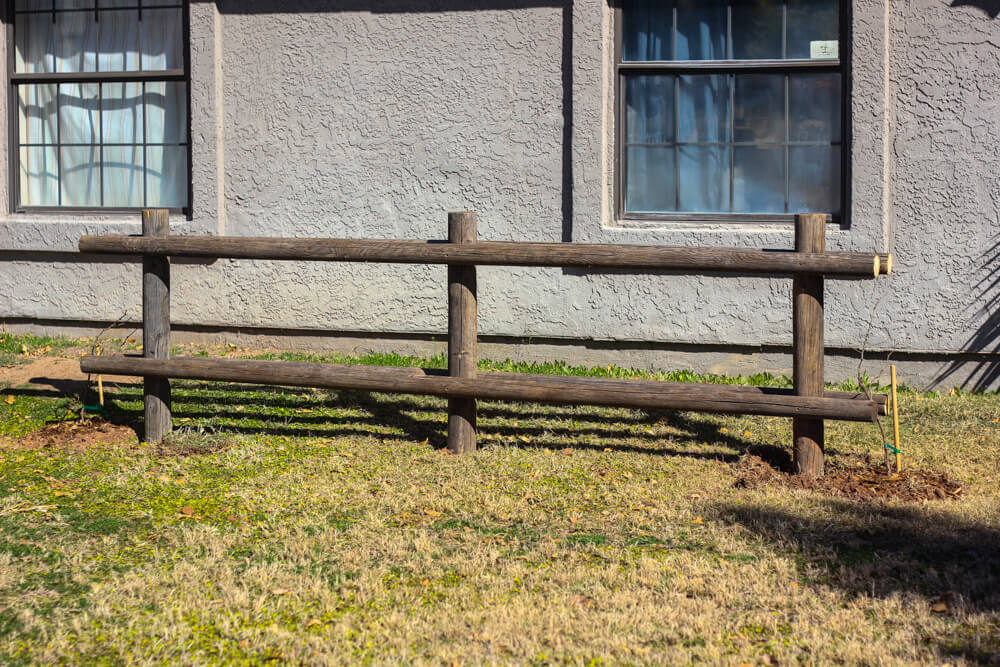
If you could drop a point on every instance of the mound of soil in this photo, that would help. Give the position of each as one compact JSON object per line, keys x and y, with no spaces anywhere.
{"x":77,"y":435}
{"x":859,"y":483}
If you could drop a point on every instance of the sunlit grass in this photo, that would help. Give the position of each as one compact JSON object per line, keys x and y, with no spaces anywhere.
{"x":320,"y":527}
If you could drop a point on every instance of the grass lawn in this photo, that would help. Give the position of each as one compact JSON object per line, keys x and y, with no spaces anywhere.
{"x":318,"y":527}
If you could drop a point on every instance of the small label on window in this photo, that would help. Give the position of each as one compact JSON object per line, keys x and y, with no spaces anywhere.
{"x":824,"y":49}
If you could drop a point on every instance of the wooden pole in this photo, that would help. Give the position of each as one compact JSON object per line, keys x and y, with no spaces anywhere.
{"x":807,"y":342}
{"x":645,"y":394}
{"x":895,"y":422}
{"x":156,"y":326}
{"x":591,"y":256}
{"x":462,"y":336}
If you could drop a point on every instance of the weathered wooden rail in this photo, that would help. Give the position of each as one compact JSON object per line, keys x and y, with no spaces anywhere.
{"x":807,"y":403}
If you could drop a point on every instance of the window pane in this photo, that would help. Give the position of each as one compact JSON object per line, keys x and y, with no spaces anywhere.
{"x":811,"y":21}
{"x":759,"y":108}
{"x":75,"y":42}
{"x":121,"y":113}
{"x":703,"y":108}
{"x":74,"y":4}
{"x":33,"y":43}
{"x":37,"y":105}
{"x":814,"y":179}
{"x":79,"y":113}
{"x":166,"y":176}
{"x":814,"y":107}
{"x":33,"y":4}
{"x":81,"y":176}
{"x":166,"y":117}
{"x":650,"y":186}
{"x":704,"y":179}
{"x":161,"y":39}
{"x":123,"y":176}
{"x":649,"y":103}
{"x":39,"y":176}
{"x":701,"y":29}
{"x":756,"y":29}
{"x":119,"y":41}
{"x":646,"y":30}
{"x":758,"y":180}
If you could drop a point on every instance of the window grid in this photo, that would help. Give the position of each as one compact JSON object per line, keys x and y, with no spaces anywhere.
{"x":677,"y":68}
{"x":98,"y":77}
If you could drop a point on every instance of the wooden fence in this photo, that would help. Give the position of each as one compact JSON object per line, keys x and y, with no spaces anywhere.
{"x":807,"y":403}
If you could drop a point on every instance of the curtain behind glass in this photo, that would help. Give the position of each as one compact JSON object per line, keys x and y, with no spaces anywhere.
{"x":110,"y":144}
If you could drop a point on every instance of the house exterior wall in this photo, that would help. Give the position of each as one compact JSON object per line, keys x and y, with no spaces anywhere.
{"x":374,"y":119}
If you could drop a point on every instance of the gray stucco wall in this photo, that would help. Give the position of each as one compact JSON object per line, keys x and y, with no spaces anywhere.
{"x":341,"y":118}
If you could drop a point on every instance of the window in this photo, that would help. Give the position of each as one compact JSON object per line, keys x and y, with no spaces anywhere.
{"x":100,"y":88}
{"x":729,"y":108}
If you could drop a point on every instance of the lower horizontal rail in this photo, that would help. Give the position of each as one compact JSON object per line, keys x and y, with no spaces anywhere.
{"x":650,"y":394}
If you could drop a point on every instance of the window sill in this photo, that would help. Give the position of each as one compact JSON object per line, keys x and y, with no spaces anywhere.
{"x":60,"y":232}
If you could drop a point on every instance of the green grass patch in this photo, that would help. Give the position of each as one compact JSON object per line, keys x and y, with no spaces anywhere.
{"x":20,"y":348}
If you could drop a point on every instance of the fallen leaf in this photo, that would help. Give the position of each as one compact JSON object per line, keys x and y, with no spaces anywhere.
{"x":567,"y":451}
{"x":746,"y":434}
{"x":698,"y":520}
{"x":280,"y":591}
{"x":188,"y":510}
{"x":9,"y":400}
{"x":432,"y":513}
{"x":939,"y":607}
{"x":313,"y":623}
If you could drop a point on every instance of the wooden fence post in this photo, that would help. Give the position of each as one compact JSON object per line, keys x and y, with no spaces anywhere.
{"x":156,"y":327}
{"x":807,"y":342}
{"x":462,"y":344}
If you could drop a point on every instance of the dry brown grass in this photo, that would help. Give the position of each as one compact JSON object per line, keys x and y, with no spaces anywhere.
{"x":334,"y":531}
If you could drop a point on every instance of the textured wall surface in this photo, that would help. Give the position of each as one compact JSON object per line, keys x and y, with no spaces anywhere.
{"x":341,"y":118}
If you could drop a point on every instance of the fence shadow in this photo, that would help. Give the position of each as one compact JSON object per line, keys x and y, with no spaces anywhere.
{"x":603,"y":430}
{"x":986,"y":339}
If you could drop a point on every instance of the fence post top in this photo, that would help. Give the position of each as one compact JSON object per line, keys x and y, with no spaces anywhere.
{"x":156,"y":222}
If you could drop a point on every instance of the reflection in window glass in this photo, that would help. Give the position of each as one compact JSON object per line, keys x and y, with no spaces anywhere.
{"x":757,"y":28}
{"x":701,"y":29}
{"x":731,"y":139}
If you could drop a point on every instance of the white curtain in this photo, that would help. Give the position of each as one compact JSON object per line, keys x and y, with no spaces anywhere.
{"x":101,"y":144}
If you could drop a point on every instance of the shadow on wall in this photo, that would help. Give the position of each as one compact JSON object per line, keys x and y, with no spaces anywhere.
{"x":985,"y":374}
{"x":433,"y":6}
{"x":991,"y":7}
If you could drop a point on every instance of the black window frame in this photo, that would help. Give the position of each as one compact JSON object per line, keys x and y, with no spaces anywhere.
{"x":15,"y":79}
{"x":773,"y":66}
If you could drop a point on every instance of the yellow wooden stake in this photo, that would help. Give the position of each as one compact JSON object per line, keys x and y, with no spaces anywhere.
{"x":100,"y":389}
{"x":895,"y":421}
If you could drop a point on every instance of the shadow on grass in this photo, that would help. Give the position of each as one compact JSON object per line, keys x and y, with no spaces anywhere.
{"x":602,"y":426}
{"x":879,"y":550}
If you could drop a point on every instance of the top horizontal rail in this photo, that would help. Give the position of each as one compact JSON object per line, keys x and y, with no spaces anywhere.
{"x":734,"y":261}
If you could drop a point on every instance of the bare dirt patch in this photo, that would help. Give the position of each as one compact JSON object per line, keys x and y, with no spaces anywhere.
{"x":52,"y":371}
{"x":75,"y":435}
{"x":856,"y":483}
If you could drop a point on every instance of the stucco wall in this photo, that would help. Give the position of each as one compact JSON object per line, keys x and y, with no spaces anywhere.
{"x":341,"y":118}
